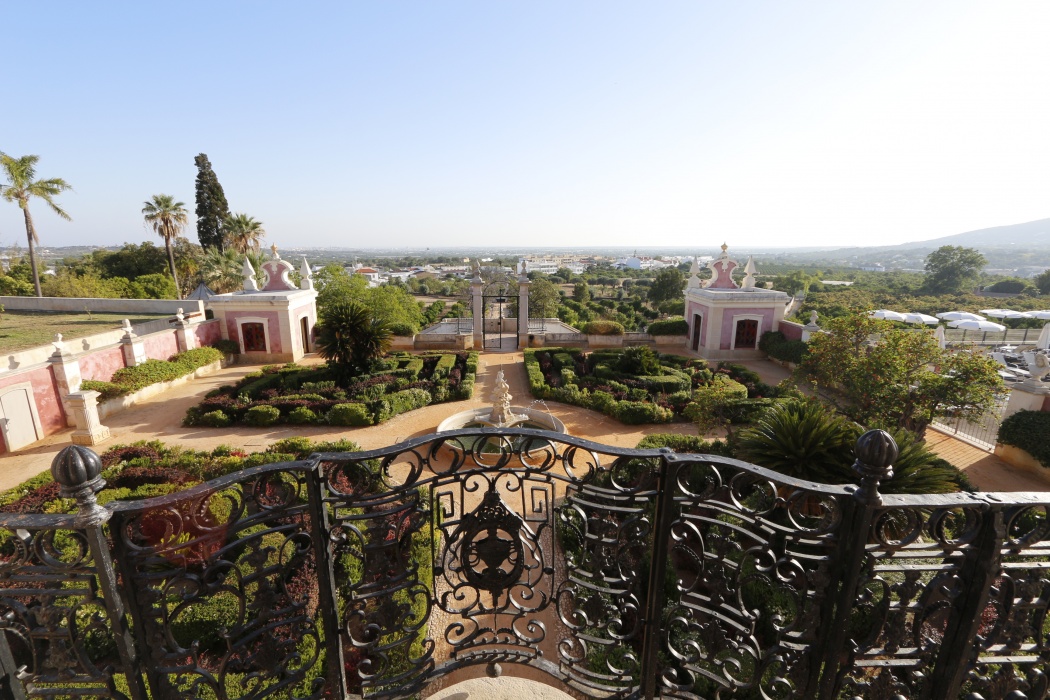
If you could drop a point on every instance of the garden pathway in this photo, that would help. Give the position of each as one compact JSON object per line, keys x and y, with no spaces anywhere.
{"x":160,"y":418}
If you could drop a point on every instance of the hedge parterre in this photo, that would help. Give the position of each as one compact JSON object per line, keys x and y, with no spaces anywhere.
{"x":637,"y":385}
{"x":310,"y":395}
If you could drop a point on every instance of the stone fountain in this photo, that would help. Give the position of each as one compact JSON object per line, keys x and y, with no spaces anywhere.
{"x":502,"y":414}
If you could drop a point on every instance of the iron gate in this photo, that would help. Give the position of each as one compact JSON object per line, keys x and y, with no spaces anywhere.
{"x":495,"y":295}
{"x":621,"y":573}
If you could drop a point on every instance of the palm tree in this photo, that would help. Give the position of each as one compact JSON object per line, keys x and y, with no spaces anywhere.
{"x":168,"y":218}
{"x":243,"y":232}
{"x":351,"y":339}
{"x":221,"y":269}
{"x":21,"y":173}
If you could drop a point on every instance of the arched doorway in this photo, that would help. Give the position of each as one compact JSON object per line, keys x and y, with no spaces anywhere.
{"x":746,"y":337}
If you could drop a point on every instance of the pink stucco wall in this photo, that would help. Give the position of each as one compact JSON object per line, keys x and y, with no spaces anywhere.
{"x":208,"y":332}
{"x":160,"y":346}
{"x":730,"y":316}
{"x":272,"y":323}
{"x":102,"y":364}
{"x":691,"y":308}
{"x":45,"y":395}
{"x":791,"y":331}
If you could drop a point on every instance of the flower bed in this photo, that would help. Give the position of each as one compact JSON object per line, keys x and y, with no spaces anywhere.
{"x":310,"y":395}
{"x":637,"y":385}
{"x":131,"y":379}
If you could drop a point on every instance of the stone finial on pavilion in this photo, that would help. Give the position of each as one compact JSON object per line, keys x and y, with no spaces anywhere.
{"x":524,"y":276}
{"x":248,"y":272}
{"x":749,"y":273}
{"x":273,"y":250}
{"x":694,"y":275}
{"x":306,"y":277}
{"x":477,"y":272}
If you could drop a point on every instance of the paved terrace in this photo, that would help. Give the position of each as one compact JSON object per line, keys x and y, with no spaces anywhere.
{"x":160,"y":418}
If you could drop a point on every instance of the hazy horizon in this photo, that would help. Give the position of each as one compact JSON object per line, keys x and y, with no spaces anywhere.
{"x":588,"y":124}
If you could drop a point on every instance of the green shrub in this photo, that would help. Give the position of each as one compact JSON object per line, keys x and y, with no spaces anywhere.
{"x":1030,"y":431}
{"x":685,"y":444}
{"x":352,"y":414}
{"x":302,"y":415}
{"x":603,"y":402}
{"x":215,"y":419}
{"x":562,"y":360}
{"x":443,"y":367}
{"x":108,"y":390}
{"x":774,"y":344}
{"x":667,"y":383}
{"x":196,"y":358}
{"x":672,"y":326}
{"x":568,"y":376}
{"x":413,"y":367}
{"x":637,"y":412}
{"x":639,"y":360}
{"x":227,"y":347}
{"x":402,"y":329}
{"x":408,"y":400}
{"x":465,"y":390}
{"x":261,"y":416}
{"x":602,"y":328}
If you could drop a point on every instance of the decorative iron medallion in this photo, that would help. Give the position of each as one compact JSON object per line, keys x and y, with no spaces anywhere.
{"x":490,"y":546}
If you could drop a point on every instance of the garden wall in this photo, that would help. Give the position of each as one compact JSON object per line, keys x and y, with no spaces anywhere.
{"x":132,"y":306}
{"x":791,"y":330}
{"x":97,"y":357}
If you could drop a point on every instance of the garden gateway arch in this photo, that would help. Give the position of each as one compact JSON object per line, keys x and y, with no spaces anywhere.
{"x":492,"y":330}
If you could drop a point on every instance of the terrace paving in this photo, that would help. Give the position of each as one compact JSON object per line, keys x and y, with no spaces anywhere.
{"x":160,"y":418}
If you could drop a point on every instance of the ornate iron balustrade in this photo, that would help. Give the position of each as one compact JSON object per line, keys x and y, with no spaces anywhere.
{"x":621,"y":573}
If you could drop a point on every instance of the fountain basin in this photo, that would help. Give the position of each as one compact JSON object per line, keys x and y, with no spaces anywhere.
{"x":523,"y":418}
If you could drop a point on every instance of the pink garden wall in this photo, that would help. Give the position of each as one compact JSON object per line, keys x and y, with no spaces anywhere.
{"x":791,"y":330}
{"x":208,"y":332}
{"x":102,"y":364}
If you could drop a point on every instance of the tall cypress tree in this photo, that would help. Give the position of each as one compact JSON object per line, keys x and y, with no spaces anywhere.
{"x":212,"y":208}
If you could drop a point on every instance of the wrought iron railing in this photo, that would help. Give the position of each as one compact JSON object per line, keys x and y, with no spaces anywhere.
{"x":620,"y":573}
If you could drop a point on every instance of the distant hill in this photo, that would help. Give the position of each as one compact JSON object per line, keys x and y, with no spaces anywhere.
{"x":1029,"y":234}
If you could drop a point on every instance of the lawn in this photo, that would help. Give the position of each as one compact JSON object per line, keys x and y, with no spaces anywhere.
{"x":20,"y":330}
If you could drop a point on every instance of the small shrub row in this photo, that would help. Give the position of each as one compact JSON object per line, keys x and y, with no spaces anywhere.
{"x":602,"y":328}
{"x":671,"y":326}
{"x":1030,"y":431}
{"x":130,"y":379}
{"x":774,"y":344}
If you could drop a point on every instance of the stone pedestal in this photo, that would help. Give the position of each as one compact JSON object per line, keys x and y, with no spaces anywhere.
{"x":82,"y":406}
{"x":1025,"y":397}
{"x":477,"y":307}
{"x":134,"y":351}
{"x":185,"y":337}
{"x":523,"y":309}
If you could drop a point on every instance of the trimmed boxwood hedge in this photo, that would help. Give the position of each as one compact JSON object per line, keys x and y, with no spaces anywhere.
{"x":128,"y":380}
{"x":593,"y":380}
{"x":774,"y":344}
{"x":1030,"y":431}
{"x":671,"y":326}
{"x":306,"y":395}
{"x":602,"y":328}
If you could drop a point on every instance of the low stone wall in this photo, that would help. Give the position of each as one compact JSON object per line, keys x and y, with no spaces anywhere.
{"x":791,"y":330}
{"x":117,"y":306}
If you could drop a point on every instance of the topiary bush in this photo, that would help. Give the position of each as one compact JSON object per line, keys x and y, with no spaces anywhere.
{"x":602,"y":328}
{"x":262,"y":416}
{"x":301,"y":416}
{"x":671,"y":326}
{"x":1030,"y":431}
{"x":774,"y":344}
{"x":215,"y":419}
{"x":350,"y":414}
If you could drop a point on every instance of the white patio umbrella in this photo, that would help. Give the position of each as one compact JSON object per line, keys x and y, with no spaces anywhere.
{"x":971,"y":325}
{"x":939,"y":336}
{"x":886,"y":315}
{"x":921,"y":318}
{"x":1044,"y":338}
{"x":959,"y":316}
{"x":1044,"y":315}
{"x":1003,"y":313}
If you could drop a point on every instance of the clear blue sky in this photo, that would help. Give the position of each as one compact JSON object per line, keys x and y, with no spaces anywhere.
{"x":560,"y":123}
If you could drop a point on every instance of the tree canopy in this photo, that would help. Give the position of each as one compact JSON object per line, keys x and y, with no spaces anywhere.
{"x":953,"y":268}
{"x":212,"y":208}
{"x":544,"y":299}
{"x":392,"y":304}
{"x":667,"y":285}
{"x":884,"y":377}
